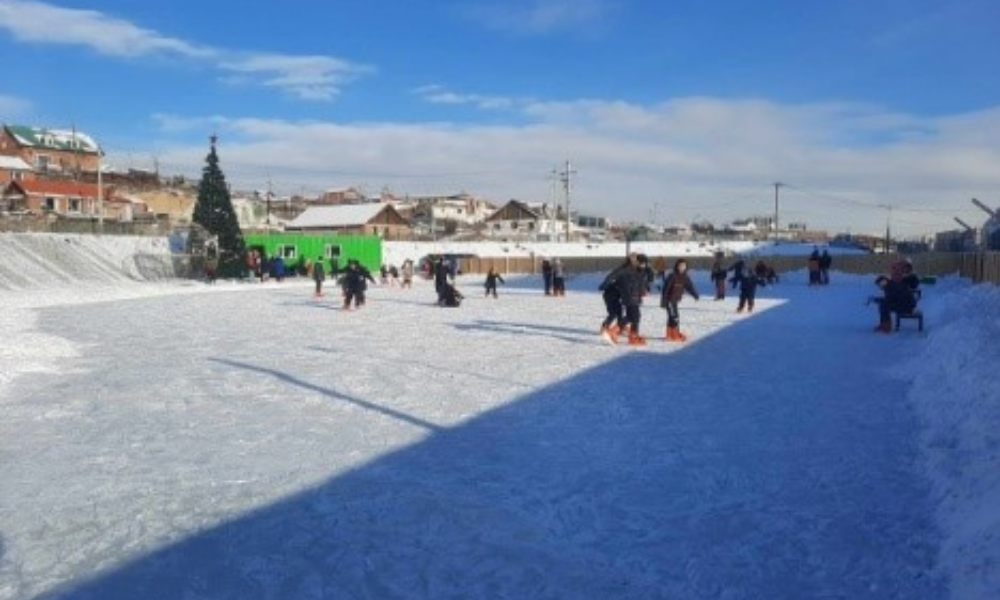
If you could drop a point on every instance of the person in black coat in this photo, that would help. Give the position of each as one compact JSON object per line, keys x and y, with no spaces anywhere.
{"x":718,"y":276}
{"x":547,"y":276}
{"x":897,"y":297}
{"x":614,"y":322}
{"x":355,"y":283}
{"x":738,"y":267}
{"x":492,"y":277}
{"x":450,"y":296}
{"x":632,"y":285}
{"x":441,"y":276}
{"x":825,"y":262}
{"x":748,"y":291}
{"x":674,"y":287}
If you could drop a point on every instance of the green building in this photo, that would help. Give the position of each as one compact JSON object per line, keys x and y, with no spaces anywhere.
{"x":297,"y":248}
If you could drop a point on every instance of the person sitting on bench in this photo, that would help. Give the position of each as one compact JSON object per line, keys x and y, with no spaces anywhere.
{"x":897,"y":297}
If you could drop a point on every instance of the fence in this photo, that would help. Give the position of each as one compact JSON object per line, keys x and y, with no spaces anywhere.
{"x":980,"y":267}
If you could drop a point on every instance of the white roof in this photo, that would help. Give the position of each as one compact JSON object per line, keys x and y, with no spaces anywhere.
{"x":13,"y":163}
{"x":346,"y":215}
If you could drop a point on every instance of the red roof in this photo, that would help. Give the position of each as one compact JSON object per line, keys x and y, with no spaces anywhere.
{"x":58,"y":188}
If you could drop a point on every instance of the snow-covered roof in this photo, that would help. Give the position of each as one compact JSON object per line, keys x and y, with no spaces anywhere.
{"x":59,"y":139}
{"x":346,"y":215}
{"x":13,"y":163}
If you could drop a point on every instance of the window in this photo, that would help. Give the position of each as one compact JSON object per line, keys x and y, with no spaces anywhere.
{"x":42,"y":162}
{"x":75,"y":204}
{"x":331,"y":251}
{"x":49,"y":203}
{"x":287,"y":252}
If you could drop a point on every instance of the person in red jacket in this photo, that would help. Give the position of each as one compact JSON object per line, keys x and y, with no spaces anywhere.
{"x":674,"y":287}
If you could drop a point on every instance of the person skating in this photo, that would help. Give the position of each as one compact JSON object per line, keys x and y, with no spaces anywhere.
{"x":718,"y":276}
{"x":614,"y":322}
{"x":737,"y":268}
{"x":558,"y":278}
{"x":748,"y":291}
{"x":407,"y":274}
{"x":441,"y":278}
{"x":547,"y":276}
{"x":355,"y":283}
{"x":825,"y":263}
{"x":319,"y":276}
{"x":632,"y":286}
{"x":813,"y":265}
{"x":674,"y":287}
{"x":492,"y":277}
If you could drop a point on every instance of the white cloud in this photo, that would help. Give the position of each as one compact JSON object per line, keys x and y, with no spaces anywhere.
{"x":436,"y":94}
{"x":307,"y":77}
{"x":316,"y":78}
{"x":38,"y":22}
{"x":695,"y":156}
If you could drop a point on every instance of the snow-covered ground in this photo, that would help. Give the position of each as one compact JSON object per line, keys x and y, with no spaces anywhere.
{"x":175,"y":440}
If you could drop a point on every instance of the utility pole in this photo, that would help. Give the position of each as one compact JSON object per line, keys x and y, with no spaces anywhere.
{"x":565,"y":178}
{"x":888,"y":227}
{"x":777,"y":186}
{"x":270,"y":194}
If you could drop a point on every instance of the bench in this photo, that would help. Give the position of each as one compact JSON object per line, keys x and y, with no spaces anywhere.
{"x":916,"y":314}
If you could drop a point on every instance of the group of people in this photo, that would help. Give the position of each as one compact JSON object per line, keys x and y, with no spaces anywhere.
{"x":744,"y":279}
{"x":624,"y":288}
{"x":819,"y":267}
{"x":353,"y":281}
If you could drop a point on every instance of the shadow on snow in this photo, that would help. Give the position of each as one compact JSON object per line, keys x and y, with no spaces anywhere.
{"x":699,"y":477}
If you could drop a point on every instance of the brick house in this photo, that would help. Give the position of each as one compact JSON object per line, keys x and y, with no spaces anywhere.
{"x":71,"y":199}
{"x":13,"y":168}
{"x":51,"y":152}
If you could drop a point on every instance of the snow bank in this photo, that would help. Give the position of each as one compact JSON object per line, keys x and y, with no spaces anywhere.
{"x":956,"y":390}
{"x":39,"y":260}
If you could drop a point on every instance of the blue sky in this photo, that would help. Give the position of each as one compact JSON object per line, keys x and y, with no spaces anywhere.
{"x":870,"y":112}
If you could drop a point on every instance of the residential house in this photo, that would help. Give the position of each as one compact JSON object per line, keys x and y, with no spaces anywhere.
{"x":445,"y":215}
{"x":13,"y":168}
{"x":51,"y":152}
{"x":54,"y":197}
{"x":519,"y":221}
{"x":364,"y":219}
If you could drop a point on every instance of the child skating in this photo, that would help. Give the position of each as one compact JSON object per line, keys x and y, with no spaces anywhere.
{"x":674,"y":287}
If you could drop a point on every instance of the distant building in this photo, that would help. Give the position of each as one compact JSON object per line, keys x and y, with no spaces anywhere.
{"x":518,"y":221}
{"x":373,"y":218}
{"x":13,"y":168}
{"x":70,"y":199}
{"x":51,"y":152}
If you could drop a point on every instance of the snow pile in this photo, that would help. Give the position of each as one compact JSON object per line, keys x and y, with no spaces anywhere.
{"x":33,"y":260}
{"x":956,"y":388}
